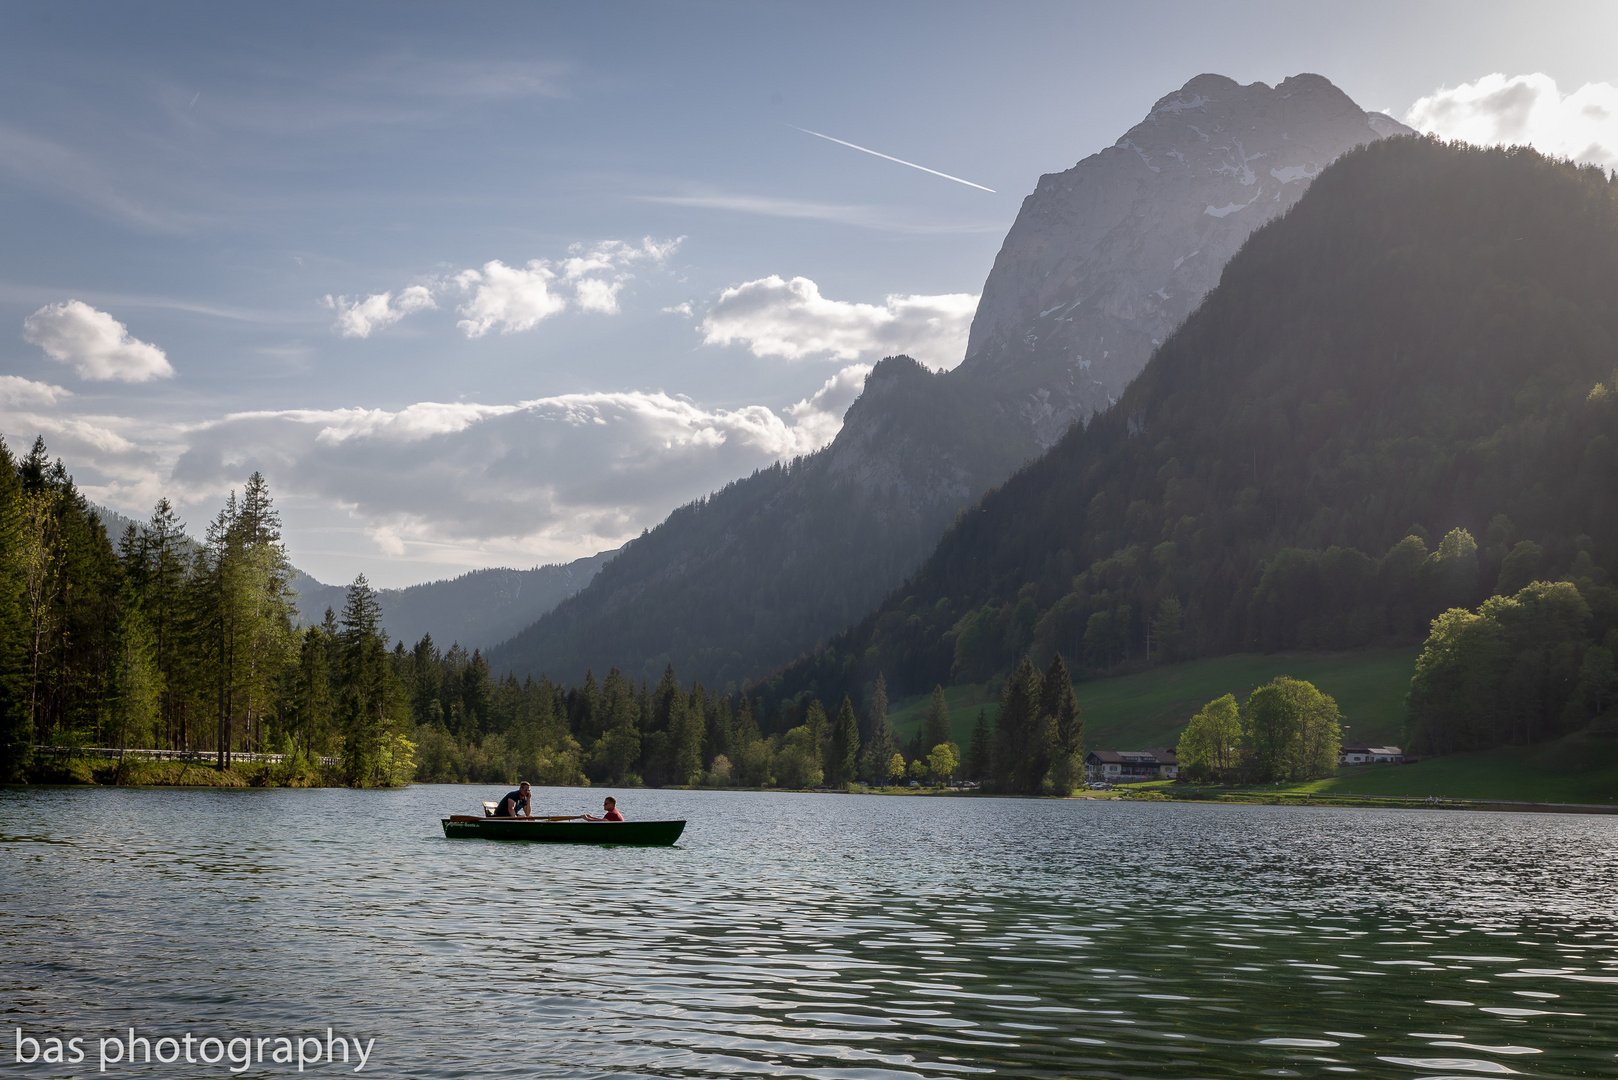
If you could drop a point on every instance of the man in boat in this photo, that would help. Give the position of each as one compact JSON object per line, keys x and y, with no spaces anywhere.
{"x":515,"y":801}
{"x":609,"y":811}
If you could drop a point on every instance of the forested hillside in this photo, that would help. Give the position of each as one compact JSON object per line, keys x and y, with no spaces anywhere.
{"x":1387,"y":408}
{"x":751,"y":576}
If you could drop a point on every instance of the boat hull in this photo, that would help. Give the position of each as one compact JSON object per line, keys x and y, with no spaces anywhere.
{"x":628,"y":833}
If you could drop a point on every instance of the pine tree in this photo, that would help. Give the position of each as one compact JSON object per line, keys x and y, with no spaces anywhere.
{"x":979,"y":754}
{"x":880,"y":744}
{"x":1064,"y":726}
{"x":1021,"y":756}
{"x":370,"y":704}
{"x":843,"y":754}
{"x":819,"y":726}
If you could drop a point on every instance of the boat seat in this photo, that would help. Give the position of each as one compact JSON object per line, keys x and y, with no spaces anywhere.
{"x":488,"y":809}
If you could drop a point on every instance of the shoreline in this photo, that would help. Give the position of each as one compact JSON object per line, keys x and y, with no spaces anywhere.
{"x":61,"y":772}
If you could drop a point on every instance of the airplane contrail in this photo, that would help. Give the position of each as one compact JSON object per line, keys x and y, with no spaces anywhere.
{"x":886,"y":157}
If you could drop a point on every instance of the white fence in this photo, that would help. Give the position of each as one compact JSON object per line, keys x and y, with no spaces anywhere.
{"x":199,"y":757}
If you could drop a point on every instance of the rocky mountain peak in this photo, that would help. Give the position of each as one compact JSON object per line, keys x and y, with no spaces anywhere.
{"x":1105,"y":259}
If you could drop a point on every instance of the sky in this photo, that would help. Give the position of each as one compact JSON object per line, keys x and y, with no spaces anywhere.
{"x":503,"y":284}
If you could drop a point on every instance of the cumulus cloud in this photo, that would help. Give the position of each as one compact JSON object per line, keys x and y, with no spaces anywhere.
{"x":512,"y":299}
{"x":359,"y":318}
{"x":1526,"y":109}
{"x":549,"y":478}
{"x":18,"y":392}
{"x":819,"y":417}
{"x":791,"y":319}
{"x":97,"y":345}
{"x":519,"y":298}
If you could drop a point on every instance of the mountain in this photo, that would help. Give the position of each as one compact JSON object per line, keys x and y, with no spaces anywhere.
{"x":1102,"y":262}
{"x":1401,"y":398}
{"x":1107,"y":258}
{"x":477,"y":609}
{"x":752,"y":575}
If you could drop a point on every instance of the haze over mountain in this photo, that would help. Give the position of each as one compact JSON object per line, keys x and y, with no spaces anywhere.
{"x":1102,"y":262}
{"x":477,"y":609}
{"x":1399,"y":399}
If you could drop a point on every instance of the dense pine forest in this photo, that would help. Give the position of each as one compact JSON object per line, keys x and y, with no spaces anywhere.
{"x":1397,"y":402}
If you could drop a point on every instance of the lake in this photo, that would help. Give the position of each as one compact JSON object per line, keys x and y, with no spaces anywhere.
{"x":795,"y":935}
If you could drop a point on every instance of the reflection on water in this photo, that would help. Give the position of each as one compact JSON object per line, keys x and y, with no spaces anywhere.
{"x":826,"y":936}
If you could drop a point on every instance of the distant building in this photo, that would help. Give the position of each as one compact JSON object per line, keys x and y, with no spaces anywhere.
{"x":1358,"y":753}
{"x":1125,"y":766}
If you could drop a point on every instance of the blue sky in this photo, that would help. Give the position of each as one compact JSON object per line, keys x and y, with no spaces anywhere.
{"x":502,"y":284}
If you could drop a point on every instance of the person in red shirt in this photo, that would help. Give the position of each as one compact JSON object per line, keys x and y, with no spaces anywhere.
{"x":609,"y":811}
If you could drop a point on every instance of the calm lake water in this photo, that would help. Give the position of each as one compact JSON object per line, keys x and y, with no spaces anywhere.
{"x":823,"y":936}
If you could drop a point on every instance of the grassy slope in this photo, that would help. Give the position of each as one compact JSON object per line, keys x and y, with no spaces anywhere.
{"x":1150,"y":708}
{"x":1581,"y":768}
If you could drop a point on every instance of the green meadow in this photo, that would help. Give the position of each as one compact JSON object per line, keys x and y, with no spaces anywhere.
{"x":1150,"y":708}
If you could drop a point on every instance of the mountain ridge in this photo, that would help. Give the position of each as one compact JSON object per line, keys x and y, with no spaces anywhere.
{"x":758,"y":573}
{"x":1415,"y":351}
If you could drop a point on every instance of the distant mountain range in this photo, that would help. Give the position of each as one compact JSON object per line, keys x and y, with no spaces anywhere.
{"x":1102,"y":263}
{"x":479,"y":609}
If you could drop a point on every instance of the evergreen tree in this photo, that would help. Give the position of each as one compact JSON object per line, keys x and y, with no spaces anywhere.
{"x":1021,"y":752}
{"x":370,"y":704}
{"x":687,"y":735}
{"x":979,"y":754}
{"x":880,"y":744}
{"x":819,"y":732}
{"x":1060,"y":710}
{"x":137,"y":684}
{"x":843,"y":754}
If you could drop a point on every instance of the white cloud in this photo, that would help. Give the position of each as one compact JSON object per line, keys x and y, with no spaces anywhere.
{"x":514,"y":298}
{"x":682,"y":309}
{"x":820,"y":416}
{"x":550,"y":478}
{"x":599,"y":296}
{"x":18,"y":392}
{"x":359,"y":318}
{"x":790,"y":319}
{"x":97,"y":345}
{"x":1526,"y":109}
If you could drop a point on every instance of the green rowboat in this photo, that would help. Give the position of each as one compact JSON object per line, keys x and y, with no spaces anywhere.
{"x":538,"y":830}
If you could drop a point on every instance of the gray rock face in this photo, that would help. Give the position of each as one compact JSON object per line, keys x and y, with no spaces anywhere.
{"x":1107,"y":258}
